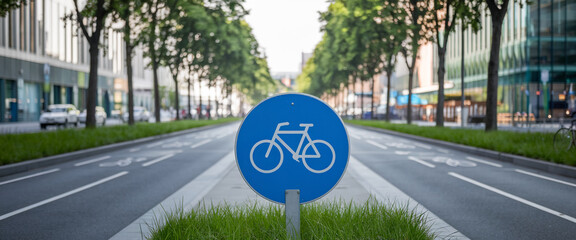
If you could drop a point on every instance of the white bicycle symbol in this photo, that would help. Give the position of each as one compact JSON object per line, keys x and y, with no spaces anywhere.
{"x":295,"y":154}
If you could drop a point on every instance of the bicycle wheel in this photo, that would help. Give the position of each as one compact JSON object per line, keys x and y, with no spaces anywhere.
{"x":264,"y":146}
{"x":563,"y":139}
{"x":316,"y":143}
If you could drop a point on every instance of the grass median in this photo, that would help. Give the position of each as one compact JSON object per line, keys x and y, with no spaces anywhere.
{"x":26,"y":146}
{"x":320,"y":220}
{"x":529,"y":144}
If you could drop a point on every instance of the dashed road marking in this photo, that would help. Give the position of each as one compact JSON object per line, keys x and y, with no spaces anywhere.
{"x":63,"y":195}
{"x":377,"y":144}
{"x":91,"y":161}
{"x":513,"y":197}
{"x":546,"y":178}
{"x":201,"y":143}
{"x":422,"y":162}
{"x":484,"y":162}
{"x":146,"y":164}
{"x":30,"y":176}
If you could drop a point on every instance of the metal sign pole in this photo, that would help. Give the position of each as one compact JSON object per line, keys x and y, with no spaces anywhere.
{"x":292,"y":209}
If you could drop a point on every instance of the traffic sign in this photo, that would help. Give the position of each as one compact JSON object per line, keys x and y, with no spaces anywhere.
{"x":292,"y":141}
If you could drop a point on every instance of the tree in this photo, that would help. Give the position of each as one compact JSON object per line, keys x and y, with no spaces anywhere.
{"x":129,"y":12}
{"x":91,"y":19}
{"x":498,"y":9}
{"x":366,"y":38}
{"x":181,"y":16}
{"x":445,"y":13}
{"x":153,"y":14}
{"x":418,"y":17}
{"x":393,"y":30}
{"x":7,"y":5}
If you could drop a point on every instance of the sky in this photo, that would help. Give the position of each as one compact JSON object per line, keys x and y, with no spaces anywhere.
{"x":285,"y":29}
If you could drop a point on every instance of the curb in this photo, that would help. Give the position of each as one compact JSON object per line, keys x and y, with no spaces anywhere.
{"x":66,"y":157}
{"x":541,"y":165}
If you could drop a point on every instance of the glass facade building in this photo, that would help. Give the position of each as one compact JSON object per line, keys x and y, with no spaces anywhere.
{"x":44,"y":60}
{"x":537,"y":74}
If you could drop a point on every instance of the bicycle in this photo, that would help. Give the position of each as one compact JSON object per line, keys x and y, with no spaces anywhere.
{"x":564,"y":138}
{"x":295,"y":154}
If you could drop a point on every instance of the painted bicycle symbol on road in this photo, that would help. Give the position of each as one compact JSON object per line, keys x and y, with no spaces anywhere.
{"x":299,"y":153}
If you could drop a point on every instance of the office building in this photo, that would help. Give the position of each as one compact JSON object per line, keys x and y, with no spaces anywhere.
{"x":537,"y":74}
{"x":44,"y":60}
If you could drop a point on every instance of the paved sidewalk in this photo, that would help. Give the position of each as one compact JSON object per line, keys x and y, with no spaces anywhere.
{"x":223,"y":184}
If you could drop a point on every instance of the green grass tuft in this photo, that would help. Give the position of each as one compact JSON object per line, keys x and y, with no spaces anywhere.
{"x":529,"y":144}
{"x":320,"y":220}
{"x":26,"y":146}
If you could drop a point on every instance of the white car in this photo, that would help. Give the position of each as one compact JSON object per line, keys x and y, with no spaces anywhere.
{"x":100,"y":116}
{"x":140,"y":114}
{"x":59,"y":114}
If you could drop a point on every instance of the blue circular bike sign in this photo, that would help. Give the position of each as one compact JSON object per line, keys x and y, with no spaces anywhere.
{"x":292,"y":141}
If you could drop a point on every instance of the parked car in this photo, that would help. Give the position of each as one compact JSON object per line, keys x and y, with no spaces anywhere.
{"x":140,"y":114}
{"x":100,"y":116}
{"x":59,"y":114}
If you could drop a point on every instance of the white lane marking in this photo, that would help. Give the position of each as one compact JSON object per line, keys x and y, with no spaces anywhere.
{"x":223,"y":135}
{"x":201,"y":143}
{"x":514,"y":197}
{"x":146,"y":164}
{"x":354,"y":136}
{"x":30,"y":176}
{"x":134,"y":150}
{"x":423,"y":146}
{"x":547,"y":178}
{"x":63,"y":195}
{"x":422,"y":162}
{"x":91,"y":161}
{"x":401,"y":153}
{"x":377,"y":144}
{"x":186,"y":198}
{"x":380,"y":189}
{"x":155,"y":144}
{"x":484,"y":162}
{"x":121,"y":163}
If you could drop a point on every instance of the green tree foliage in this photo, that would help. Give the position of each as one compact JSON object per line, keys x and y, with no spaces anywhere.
{"x":91,"y":18}
{"x":154,"y":35}
{"x":445,"y":14}
{"x":7,"y":5}
{"x":212,"y":41}
{"x":393,"y":35}
{"x":498,"y":10}
{"x":419,"y":33}
{"x":361,"y":38}
{"x":128,"y":13}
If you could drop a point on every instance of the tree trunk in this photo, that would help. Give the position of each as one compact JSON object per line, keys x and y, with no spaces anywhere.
{"x":156,"y":91}
{"x":361,"y":99}
{"x":130,"y":84}
{"x":230,"y":103}
{"x":354,"y":92}
{"x":373,"y":98}
{"x":343,"y":100}
{"x":388,"y":86}
{"x":410,"y":85}
{"x":177,"y":98}
{"x":441,"y":74}
{"x":189,"y":113}
{"x":199,"y":108}
{"x":347,"y":109}
{"x":491,"y":120}
{"x":92,"y":100}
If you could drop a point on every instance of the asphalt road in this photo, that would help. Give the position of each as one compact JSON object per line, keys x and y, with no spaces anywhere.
{"x":480,"y":197}
{"x":97,"y":196}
